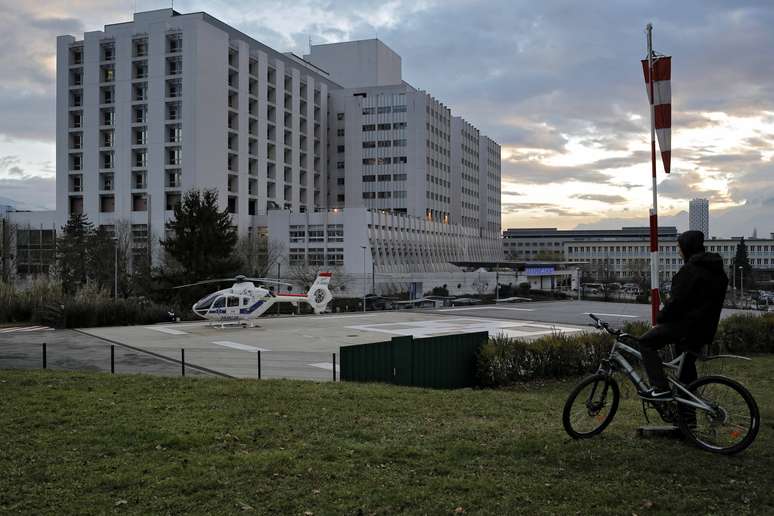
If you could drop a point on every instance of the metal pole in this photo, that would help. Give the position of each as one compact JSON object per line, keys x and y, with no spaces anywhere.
{"x":112,"y":359}
{"x":279,"y":267}
{"x":44,"y":355}
{"x":365,"y":279}
{"x":115,"y":271}
{"x":578,"y":281}
{"x":654,"y":276}
{"x":259,"y":363}
{"x":334,"y":367}
{"x":182,"y":362}
{"x":741,"y":284}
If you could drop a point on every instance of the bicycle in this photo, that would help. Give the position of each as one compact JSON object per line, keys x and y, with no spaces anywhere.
{"x":716,"y":413}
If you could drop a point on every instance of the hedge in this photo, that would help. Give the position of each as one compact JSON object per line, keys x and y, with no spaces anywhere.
{"x":504,"y":360}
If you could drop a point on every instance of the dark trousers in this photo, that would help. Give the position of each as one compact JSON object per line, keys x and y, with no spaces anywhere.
{"x":658,"y":337}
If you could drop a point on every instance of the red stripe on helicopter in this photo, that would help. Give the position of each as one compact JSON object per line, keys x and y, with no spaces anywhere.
{"x":325,"y":274}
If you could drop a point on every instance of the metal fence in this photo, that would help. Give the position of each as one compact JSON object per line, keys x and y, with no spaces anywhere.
{"x":74,"y":352}
{"x":444,"y":362}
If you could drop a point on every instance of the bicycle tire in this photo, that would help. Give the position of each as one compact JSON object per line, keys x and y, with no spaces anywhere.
{"x":610,"y":388}
{"x":693,"y":433}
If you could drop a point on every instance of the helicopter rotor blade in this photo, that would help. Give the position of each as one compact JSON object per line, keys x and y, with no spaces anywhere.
{"x":205,"y":282}
{"x":267,"y":280}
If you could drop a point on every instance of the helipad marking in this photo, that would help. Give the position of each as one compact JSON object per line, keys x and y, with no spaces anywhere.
{"x":613,"y":315}
{"x":237,"y":345}
{"x":456,"y":309}
{"x":328,"y":366}
{"x":428,"y":328}
{"x":24,"y":329}
{"x":169,"y":331}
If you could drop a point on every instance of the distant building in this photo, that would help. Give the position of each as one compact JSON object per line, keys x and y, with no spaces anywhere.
{"x":698,"y":216}
{"x":623,"y":254}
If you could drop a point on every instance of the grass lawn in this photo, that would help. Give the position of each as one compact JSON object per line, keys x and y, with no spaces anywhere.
{"x":95,"y":443}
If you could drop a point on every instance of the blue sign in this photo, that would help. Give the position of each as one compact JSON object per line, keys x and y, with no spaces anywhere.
{"x":540,"y":271}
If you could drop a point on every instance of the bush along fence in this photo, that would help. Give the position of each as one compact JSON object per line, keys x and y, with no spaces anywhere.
{"x":503,"y":361}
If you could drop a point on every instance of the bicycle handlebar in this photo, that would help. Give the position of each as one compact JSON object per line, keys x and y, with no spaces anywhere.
{"x":602,"y":324}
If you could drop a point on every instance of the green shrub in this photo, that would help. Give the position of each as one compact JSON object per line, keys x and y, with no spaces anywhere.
{"x":745,"y":333}
{"x":504,"y":360}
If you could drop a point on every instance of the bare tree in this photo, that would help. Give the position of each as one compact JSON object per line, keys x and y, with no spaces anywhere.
{"x":259,"y":254}
{"x":304,"y":274}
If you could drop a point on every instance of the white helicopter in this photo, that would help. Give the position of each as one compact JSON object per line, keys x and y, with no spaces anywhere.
{"x":244,"y":301}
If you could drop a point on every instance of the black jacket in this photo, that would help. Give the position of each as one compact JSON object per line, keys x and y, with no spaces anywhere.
{"x":698,"y":292}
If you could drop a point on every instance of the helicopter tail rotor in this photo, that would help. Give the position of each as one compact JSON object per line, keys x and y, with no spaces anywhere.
{"x":319,"y":295}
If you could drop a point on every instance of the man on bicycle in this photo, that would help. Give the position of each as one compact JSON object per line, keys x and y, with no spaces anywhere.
{"x":689,"y":317}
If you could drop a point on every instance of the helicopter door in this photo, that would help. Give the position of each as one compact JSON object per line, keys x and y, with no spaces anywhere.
{"x":232,"y":307}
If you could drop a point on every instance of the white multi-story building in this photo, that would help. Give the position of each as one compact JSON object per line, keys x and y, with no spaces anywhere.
{"x":149,"y":109}
{"x":168,"y":102}
{"x":698,"y":216}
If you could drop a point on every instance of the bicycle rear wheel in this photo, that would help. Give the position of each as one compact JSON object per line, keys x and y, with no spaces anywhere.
{"x":733,"y":423}
{"x":591,"y":406}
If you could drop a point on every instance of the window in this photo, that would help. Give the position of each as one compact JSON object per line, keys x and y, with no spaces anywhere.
{"x":399,"y":194}
{"x":140,"y":70}
{"x":174,"y":156}
{"x":174,"y":111}
{"x":139,"y":202}
{"x":340,"y":198}
{"x":399,"y":109}
{"x":369,"y":127}
{"x":297,"y":234}
{"x":140,"y":115}
{"x":384,"y":109}
{"x":316,"y":233}
{"x":174,"y":43}
{"x":400,"y":159}
{"x":140,"y":159}
{"x":399,"y":143}
{"x":384,"y":177}
{"x":385,"y":143}
{"x":140,"y":47}
{"x":76,"y":99}
{"x":138,"y":180}
{"x":369,"y":179}
{"x":339,"y":132}
{"x":339,"y":148}
{"x":399,"y":177}
{"x":384,"y":195}
{"x":172,"y":200}
{"x":76,"y":182}
{"x":108,"y":73}
{"x":369,"y":111}
{"x":106,"y":182}
{"x":173,"y":179}
{"x":107,"y":203}
{"x":369,"y":195}
{"x":339,"y":181}
{"x":108,"y":51}
{"x":335,"y":232}
{"x":75,"y":120}
{"x":339,"y":116}
{"x":174,"y":88}
{"x":340,"y":164}
{"x":369,"y":145}
{"x":399,"y":125}
{"x":140,"y":92}
{"x":174,"y":134}
{"x":369,"y":161}
{"x":140,"y":136}
{"x":384,"y":127}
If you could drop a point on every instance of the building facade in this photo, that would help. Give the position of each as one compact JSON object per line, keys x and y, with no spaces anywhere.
{"x":168,"y":102}
{"x":623,"y":255}
{"x":698,"y":216}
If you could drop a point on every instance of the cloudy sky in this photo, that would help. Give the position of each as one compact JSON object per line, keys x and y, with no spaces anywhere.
{"x":556,"y":83}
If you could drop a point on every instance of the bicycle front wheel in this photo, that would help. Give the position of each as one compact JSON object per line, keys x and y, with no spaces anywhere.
{"x":732,"y":421}
{"x":591,"y":406}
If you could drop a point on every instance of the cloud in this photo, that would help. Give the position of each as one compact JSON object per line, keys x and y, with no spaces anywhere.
{"x":534,"y":172}
{"x":30,"y":193}
{"x":607,"y":199}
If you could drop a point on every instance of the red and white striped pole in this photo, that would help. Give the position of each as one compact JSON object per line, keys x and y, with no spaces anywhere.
{"x":654,"y":278}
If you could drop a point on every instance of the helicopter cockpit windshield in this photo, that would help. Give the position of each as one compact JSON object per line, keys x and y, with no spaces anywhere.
{"x":206,"y":302}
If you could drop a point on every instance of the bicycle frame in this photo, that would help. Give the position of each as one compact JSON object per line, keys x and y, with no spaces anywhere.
{"x":617,"y":361}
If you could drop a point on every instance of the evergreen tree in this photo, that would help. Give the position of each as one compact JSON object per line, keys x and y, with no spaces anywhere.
{"x":101,"y":258}
{"x":741,"y":260}
{"x":201,"y":238}
{"x":72,"y":252}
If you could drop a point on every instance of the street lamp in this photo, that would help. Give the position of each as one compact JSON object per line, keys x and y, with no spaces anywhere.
{"x":365,"y":278}
{"x":741,"y":281}
{"x":578,"y":282}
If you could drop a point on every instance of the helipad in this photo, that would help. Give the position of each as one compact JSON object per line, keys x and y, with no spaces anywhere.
{"x":302,"y":347}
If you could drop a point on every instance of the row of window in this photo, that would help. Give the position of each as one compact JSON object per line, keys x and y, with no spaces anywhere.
{"x":437,"y":197}
{"x":382,"y":177}
{"x":383,"y":110}
{"x":380,"y":127}
{"x":384,"y":143}
{"x":316,"y":256}
{"x":396,"y":194}
{"x":381,"y":161}
{"x":316,"y":233}
{"x":107,"y":49}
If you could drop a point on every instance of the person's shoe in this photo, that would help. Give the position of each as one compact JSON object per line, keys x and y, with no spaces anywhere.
{"x":657,"y":394}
